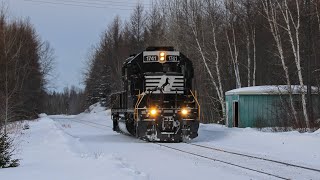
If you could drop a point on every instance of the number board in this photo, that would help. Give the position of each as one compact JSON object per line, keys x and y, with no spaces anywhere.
{"x":150,"y":58}
{"x":172,"y":58}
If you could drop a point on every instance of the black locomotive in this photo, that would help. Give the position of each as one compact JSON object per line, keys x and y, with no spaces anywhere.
{"x":158,"y":102}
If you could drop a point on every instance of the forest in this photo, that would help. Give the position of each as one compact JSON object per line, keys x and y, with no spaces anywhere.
{"x":232,"y":43}
{"x":25,"y":68}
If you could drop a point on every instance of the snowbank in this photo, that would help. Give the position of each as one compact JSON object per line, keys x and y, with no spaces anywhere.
{"x":95,"y":108}
{"x":49,"y":153}
{"x":42,"y":115}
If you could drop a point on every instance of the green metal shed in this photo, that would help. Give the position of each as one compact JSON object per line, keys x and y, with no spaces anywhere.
{"x":265,"y":106}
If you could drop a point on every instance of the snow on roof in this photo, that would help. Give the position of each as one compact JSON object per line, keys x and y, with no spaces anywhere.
{"x":273,"y":89}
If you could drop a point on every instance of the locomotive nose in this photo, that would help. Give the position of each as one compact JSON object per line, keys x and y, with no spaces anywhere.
{"x":156,"y":102}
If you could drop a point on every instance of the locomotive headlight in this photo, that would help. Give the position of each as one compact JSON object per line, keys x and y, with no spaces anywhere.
{"x":162,"y":57}
{"x":153,"y":111}
{"x":184,"y":111}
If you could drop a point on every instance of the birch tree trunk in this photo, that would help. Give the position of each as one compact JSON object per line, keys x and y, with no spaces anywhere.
{"x":217,"y":86}
{"x":7,"y":100}
{"x":295,"y":45}
{"x":234,"y":57}
{"x":248,"y":57}
{"x":204,"y":60}
{"x":271,"y":14}
{"x":211,"y":11}
{"x":221,"y":97}
{"x":233,"y":49}
{"x":254,"y":57}
{"x":317,"y":14}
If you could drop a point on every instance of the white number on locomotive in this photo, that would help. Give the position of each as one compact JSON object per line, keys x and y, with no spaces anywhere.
{"x":150,"y":58}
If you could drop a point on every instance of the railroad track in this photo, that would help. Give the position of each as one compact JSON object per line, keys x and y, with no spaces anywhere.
{"x":256,"y":157}
{"x":88,"y":123}
{"x":273,"y":168}
{"x":269,"y":167}
{"x":222,"y":161}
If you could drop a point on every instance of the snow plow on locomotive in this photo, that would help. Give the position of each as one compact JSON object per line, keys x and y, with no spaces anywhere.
{"x":158,"y":102}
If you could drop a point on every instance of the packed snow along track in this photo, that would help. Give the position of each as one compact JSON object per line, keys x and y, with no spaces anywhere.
{"x":273,"y":168}
{"x":160,"y":163}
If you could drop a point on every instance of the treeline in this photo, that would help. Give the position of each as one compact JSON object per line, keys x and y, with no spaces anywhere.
{"x":233,"y":44}
{"x":25,"y":67}
{"x":70,"y":101}
{"x":25,"y":63}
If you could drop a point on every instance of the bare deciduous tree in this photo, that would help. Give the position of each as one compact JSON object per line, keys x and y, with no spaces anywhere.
{"x":294,"y":36}
{"x":272,"y":17}
{"x":232,"y":44}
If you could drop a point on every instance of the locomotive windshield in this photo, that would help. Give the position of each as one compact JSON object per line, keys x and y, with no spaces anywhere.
{"x":162,"y":61}
{"x":171,"y":67}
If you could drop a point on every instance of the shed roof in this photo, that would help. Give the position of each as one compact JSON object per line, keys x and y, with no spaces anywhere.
{"x":273,"y":89}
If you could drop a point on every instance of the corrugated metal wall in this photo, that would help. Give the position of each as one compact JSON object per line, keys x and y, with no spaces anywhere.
{"x":263,"y":110}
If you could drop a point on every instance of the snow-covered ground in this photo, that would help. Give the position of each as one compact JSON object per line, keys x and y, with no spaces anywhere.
{"x":84,"y":147}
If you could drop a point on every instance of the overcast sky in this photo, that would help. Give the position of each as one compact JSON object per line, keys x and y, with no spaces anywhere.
{"x":72,"y":28}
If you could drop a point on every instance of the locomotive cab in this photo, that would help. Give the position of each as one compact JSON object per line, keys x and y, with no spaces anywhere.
{"x":158,"y":102}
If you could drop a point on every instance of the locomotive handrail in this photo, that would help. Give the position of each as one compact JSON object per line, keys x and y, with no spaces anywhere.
{"x":195,"y":98}
{"x":136,"y":107}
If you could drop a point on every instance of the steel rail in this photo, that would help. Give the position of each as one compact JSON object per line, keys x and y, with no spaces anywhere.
{"x":221,"y":161}
{"x":256,"y":157}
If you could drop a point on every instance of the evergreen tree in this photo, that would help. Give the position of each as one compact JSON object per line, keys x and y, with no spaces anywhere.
{"x":6,"y":152}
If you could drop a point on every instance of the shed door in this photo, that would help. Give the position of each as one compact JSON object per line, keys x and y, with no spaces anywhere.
{"x":235,"y":113}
